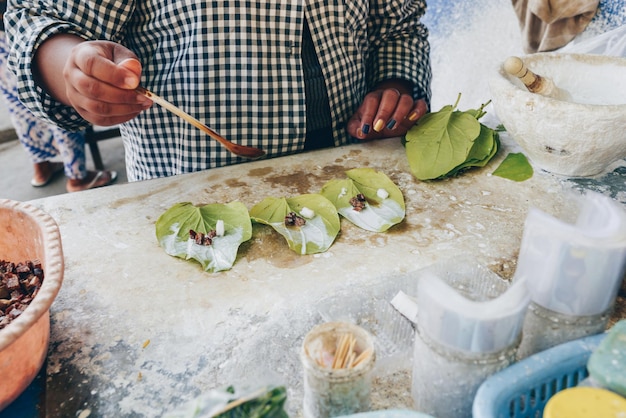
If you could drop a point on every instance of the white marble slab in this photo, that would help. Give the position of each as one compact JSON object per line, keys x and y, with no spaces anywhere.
{"x":136,"y":332}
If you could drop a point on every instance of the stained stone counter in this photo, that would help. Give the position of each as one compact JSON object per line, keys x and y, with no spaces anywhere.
{"x":136,"y":332}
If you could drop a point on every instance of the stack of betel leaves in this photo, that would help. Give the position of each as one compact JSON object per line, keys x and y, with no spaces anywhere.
{"x":446,"y":143}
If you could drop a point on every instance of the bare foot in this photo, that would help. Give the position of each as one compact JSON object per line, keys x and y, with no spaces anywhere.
{"x":91,"y":181}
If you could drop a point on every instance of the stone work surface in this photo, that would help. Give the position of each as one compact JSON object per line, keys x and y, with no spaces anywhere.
{"x":136,"y":332}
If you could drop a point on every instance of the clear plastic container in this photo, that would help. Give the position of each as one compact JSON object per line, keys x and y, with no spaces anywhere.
{"x":330,"y":392}
{"x":446,"y":380}
{"x":469,"y":324}
{"x":544,"y":328}
{"x":573,"y":271}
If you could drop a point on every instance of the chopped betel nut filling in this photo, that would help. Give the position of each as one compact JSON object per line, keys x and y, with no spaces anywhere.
{"x":358,"y":202}
{"x":19,"y":284}
{"x":293,"y":219}
{"x":202,"y":239}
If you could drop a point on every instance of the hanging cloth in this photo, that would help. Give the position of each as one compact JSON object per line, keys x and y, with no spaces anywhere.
{"x":547,"y":25}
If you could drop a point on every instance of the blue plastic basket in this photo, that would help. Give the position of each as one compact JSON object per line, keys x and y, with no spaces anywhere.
{"x":523,"y":389}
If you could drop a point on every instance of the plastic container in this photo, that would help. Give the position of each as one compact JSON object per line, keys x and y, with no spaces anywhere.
{"x":585,"y":402}
{"x":573,"y":271}
{"x":607,"y":365}
{"x":469,"y":325}
{"x":544,"y":328}
{"x":523,"y":389}
{"x":332,"y":392}
{"x":370,"y":309}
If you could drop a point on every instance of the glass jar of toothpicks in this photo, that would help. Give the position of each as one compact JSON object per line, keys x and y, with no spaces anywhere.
{"x":338,"y":358}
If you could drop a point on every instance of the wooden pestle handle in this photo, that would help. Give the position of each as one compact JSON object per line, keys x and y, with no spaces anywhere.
{"x":516,"y":67}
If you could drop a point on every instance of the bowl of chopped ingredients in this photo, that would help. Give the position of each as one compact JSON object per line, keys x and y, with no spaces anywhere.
{"x":31,"y":273}
{"x":574,"y":124}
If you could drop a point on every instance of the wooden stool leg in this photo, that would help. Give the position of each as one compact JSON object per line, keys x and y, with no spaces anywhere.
{"x":92,"y":137}
{"x":95,"y":154}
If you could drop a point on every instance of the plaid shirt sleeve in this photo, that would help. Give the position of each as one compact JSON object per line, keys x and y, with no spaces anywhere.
{"x":26,"y":31}
{"x":233,"y":64}
{"x":399,"y":44}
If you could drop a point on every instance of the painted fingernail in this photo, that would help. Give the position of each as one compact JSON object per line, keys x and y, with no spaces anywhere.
{"x":365,"y":129}
{"x":413,"y":116}
{"x":391,"y":124}
{"x":378,"y":126}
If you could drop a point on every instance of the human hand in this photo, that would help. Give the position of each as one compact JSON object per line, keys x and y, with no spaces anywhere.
{"x":385,"y":113}
{"x":100,"y":78}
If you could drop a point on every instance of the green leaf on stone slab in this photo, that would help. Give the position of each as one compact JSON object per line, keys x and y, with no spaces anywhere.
{"x":308,"y":222}
{"x":515,"y":167}
{"x":440,"y":141}
{"x":226,"y":225}
{"x":383,"y":204}
{"x":447,"y":142}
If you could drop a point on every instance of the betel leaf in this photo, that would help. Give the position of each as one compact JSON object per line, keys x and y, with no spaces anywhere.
{"x":448,"y":142}
{"x":515,"y":167}
{"x":174,"y":225}
{"x":440,"y":141}
{"x":380,"y":212}
{"x":484,"y":149}
{"x":320,"y":227}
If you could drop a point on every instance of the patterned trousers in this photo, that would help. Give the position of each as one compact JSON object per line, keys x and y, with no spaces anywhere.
{"x":42,"y":141}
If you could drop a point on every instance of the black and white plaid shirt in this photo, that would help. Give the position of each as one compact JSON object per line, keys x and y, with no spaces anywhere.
{"x":233,"y":64}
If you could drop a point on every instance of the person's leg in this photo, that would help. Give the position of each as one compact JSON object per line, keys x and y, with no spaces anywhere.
{"x":71,"y":146}
{"x":43,"y":141}
{"x":32,"y":133}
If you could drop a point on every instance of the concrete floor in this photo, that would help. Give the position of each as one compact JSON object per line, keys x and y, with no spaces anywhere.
{"x":17,"y":170}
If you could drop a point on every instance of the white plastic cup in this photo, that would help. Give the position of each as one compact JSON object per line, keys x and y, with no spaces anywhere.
{"x":334,"y":392}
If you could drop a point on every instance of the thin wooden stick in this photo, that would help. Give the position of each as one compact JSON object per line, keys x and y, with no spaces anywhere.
{"x":338,"y":360}
{"x":349,"y":351}
{"x":241,"y":150}
{"x":362,"y":357}
{"x":351,"y":360}
{"x":345,"y":355}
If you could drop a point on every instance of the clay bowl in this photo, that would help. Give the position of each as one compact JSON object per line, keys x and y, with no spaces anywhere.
{"x":577,"y":138}
{"x":28,"y":233}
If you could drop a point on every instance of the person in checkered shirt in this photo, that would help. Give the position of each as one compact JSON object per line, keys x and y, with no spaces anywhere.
{"x":283,"y":76}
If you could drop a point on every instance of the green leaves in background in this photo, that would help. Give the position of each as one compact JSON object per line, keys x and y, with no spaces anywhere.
{"x":231,"y":402}
{"x":515,"y":167}
{"x":448,"y":142}
{"x":268,"y":403}
{"x":384,"y":203}
{"x":173,"y":226}
{"x":321,"y":221}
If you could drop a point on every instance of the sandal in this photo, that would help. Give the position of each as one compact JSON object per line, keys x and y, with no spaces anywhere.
{"x":55,"y":169}
{"x":100,"y":179}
